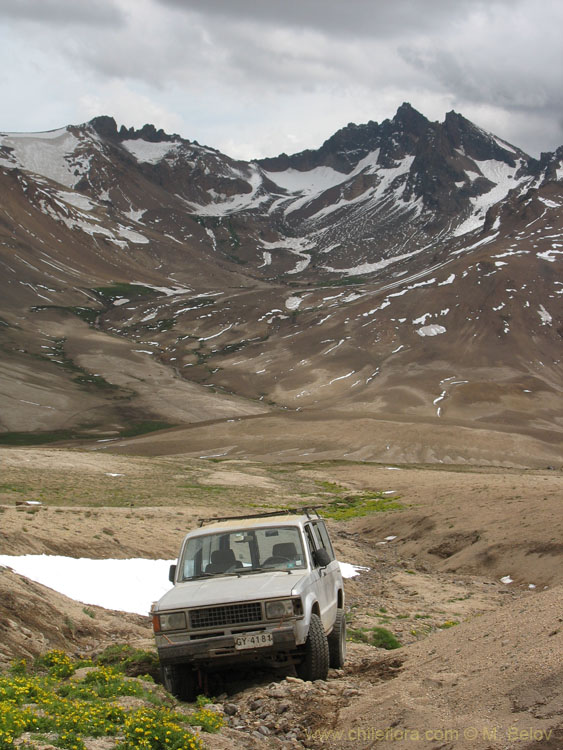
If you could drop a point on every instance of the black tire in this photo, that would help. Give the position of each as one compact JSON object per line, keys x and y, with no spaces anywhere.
{"x":181,"y":681}
{"x":337,"y":641}
{"x":315,"y":658}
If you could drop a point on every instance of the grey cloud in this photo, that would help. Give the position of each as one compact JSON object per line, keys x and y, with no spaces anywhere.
{"x":304,"y":65}
{"x":516,"y":71}
{"x":100,"y":13}
{"x":375,"y":18}
{"x":157,"y":59}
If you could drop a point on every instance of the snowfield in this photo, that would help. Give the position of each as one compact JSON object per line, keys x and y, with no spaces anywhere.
{"x":126,"y":585}
{"x":51,"y":154}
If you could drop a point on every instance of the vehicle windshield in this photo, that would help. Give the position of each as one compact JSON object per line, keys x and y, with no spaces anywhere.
{"x":242,"y":552}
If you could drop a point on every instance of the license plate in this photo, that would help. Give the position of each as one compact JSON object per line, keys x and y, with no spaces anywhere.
{"x":253,"y":640}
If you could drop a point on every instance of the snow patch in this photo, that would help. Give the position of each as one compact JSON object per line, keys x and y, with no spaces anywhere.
{"x":546,"y":319}
{"x":293,"y":303}
{"x":364,"y":268}
{"x":296,"y":246}
{"x":431,"y":330}
{"x":238,"y":202}
{"x":267,"y":259}
{"x":342,"y":377}
{"x":76,"y":199}
{"x":126,"y":585}
{"x":349,"y":570}
{"x":136,"y":215}
{"x":503,"y":177}
{"x":422,"y":320}
{"x":150,"y":153}
{"x":311,"y":182}
{"x":53,"y":154}
{"x":549,"y":203}
{"x":449,"y":280}
{"x":549,"y":255}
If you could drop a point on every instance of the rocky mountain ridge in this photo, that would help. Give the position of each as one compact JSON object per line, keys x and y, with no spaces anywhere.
{"x":365,"y":193}
{"x":406,"y":269}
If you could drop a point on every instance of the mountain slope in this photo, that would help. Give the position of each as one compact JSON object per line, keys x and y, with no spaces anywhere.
{"x":406,"y":270}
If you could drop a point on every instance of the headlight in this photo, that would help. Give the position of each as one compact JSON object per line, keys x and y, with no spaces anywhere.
{"x":279,"y":608}
{"x":173,"y":621}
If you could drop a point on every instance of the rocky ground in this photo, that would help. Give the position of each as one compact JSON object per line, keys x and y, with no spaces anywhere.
{"x":480,"y":662}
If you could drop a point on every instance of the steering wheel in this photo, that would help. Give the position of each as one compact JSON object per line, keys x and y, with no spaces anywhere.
{"x":274,"y":560}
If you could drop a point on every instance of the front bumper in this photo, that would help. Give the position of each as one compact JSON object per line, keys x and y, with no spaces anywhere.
{"x":221,"y":649}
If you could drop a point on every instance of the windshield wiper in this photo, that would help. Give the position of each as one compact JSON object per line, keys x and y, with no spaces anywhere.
{"x":263,"y":570}
{"x":201,"y":575}
{"x":236,"y":572}
{"x":245,"y":571}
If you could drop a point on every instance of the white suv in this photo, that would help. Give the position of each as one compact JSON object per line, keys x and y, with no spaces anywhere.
{"x":250,"y":589}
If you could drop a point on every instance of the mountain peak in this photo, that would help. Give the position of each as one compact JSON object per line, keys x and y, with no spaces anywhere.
{"x":411,"y":119}
{"x":147,"y":133}
{"x":106,"y":127}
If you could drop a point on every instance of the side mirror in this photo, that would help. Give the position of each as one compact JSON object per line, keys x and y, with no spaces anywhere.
{"x":172,"y":573}
{"x":321,"y":558}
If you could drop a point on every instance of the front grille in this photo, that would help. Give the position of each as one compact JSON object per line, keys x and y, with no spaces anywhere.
{"x":231,"y":614}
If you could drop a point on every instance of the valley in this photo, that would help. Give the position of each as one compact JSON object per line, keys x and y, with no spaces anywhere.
{"x":373,"y":327}
{"x":150,"y":282}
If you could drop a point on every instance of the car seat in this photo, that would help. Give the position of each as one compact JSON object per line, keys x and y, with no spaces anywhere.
{"x":284,"y":549}
{"x":222,"y":560}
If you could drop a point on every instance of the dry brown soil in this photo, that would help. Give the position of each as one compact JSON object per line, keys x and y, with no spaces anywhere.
{"x":481,"y":665}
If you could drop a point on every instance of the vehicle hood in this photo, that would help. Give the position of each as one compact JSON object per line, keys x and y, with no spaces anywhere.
{"x":227,"y":589}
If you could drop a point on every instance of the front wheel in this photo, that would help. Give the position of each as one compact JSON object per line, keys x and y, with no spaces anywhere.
{"x":315,"y":661}
{"x":181,"y":681}
{"x":337,"y":641}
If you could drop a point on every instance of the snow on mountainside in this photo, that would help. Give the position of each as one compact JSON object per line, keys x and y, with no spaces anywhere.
{"x":62,"y":155}
{"x":370,"y":196}
{"x":407,"y":268}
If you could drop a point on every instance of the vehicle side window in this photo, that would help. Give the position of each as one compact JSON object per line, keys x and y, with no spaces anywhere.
{"x":310,"y":542}
{"x":325,"y":539}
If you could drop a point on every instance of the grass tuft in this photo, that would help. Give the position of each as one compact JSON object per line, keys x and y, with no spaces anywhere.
{"x":376,"y":636}
{"x":354,"y":506}
{"x":109,"y":294}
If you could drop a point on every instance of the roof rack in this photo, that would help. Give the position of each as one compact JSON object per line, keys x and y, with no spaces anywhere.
{"x":308,"y":511}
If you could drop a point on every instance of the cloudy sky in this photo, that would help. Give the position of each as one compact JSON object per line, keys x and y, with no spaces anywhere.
{"x":258,"y":77}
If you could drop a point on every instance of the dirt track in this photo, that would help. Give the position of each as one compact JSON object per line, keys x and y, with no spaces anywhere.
{"x":479,"y":655}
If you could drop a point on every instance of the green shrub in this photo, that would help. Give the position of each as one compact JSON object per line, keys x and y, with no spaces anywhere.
{"x":376,"y":636}
{"x":64,"y":712}
{"x":132,"y":661}
{"x":57,"y":663}
{"x":150,"y":729}
{"x":354,"y":506}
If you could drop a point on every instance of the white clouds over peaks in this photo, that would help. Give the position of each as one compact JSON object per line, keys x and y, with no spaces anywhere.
{"x":256,"y":77}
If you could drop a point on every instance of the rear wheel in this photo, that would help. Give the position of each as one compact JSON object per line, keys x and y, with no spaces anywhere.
{"x":337,"y":641}
{"x":315,"y":662}
{"x":181,"y":681}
